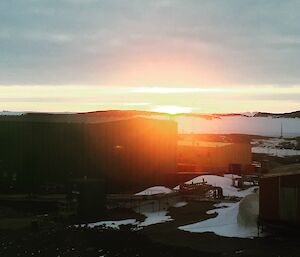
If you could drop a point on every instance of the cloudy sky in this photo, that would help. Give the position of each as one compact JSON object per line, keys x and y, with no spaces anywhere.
{"x":193,"y":55}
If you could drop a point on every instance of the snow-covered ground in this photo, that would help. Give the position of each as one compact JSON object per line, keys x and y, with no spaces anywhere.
{"x":154,"y":212}
{"x":151,"y":219}
{"x":113,"y":224}
{"x":9,"y":113}
{"x":155,"y":190}
{"x":224,"y":182}
{"x":224,"y":224}
{"x":276,"y":151}
{"x":264,"y":126}
{"x":155,"y":218}
{"x":275,"y":147}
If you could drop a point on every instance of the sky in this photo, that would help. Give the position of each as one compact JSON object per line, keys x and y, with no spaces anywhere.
{"x":167,"y":55}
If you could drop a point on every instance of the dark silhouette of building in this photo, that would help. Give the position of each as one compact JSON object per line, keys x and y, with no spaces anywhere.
{"x":279,"y":197}
{"x":46,"y":151}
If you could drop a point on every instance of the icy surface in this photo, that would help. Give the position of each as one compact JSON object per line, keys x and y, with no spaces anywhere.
{"x":155,"y":190}
{"x":224,"y":182}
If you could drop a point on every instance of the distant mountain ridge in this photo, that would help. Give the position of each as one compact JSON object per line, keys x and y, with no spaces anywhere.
{"x":131,"y":113}
{"x":295,"y":114}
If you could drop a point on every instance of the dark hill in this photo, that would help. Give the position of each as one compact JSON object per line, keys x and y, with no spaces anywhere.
{"x":295,"y":114}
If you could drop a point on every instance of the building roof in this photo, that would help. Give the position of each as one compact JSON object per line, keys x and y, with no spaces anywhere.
{"x":76,"y":118}
{"x":202,"y":143}
{"x":286,"y":170}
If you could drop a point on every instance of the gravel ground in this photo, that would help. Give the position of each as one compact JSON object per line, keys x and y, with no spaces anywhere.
{"x":52,"y":239}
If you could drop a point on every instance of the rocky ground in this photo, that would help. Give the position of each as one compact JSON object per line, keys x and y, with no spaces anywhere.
{"x":55,"y":239}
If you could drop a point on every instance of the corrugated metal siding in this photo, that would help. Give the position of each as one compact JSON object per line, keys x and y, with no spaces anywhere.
{"x":215,"y":158}
{"x":128,"y":153}
{"x":269,"y":199}
{"x":280,"y":199}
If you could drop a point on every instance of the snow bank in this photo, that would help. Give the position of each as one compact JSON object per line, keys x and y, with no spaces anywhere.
{"x":224,"y":182}
{"x":155,"y":190}
{"x":229,"y":222}
{"x":249,"y":210}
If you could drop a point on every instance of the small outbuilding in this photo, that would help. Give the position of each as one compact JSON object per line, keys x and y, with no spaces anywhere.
{"x":280,"y":196}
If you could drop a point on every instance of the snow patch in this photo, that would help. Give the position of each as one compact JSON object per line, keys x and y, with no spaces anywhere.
{"x":9,"y":113}
{"x":224,"y":224}
{"x":155,"y":218}
{"x":180,"y":204}
{"x":155,"y":190}
{"x":224,"y":182}
{"x":113,"y":224}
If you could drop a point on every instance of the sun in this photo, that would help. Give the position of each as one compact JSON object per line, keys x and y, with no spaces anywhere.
{"x":172,"y":109}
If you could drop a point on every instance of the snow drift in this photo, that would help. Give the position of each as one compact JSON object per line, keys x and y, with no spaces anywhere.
{"x":155,"y":190}
{"x":232,"y":220}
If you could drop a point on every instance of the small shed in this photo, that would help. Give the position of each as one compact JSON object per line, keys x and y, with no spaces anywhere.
{"x":280,"y":196}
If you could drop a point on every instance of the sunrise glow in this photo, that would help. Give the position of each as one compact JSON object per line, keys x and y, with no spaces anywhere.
{"x":174,"y":90}
{"x":78,"y":98}
{"x":172,"y":109}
